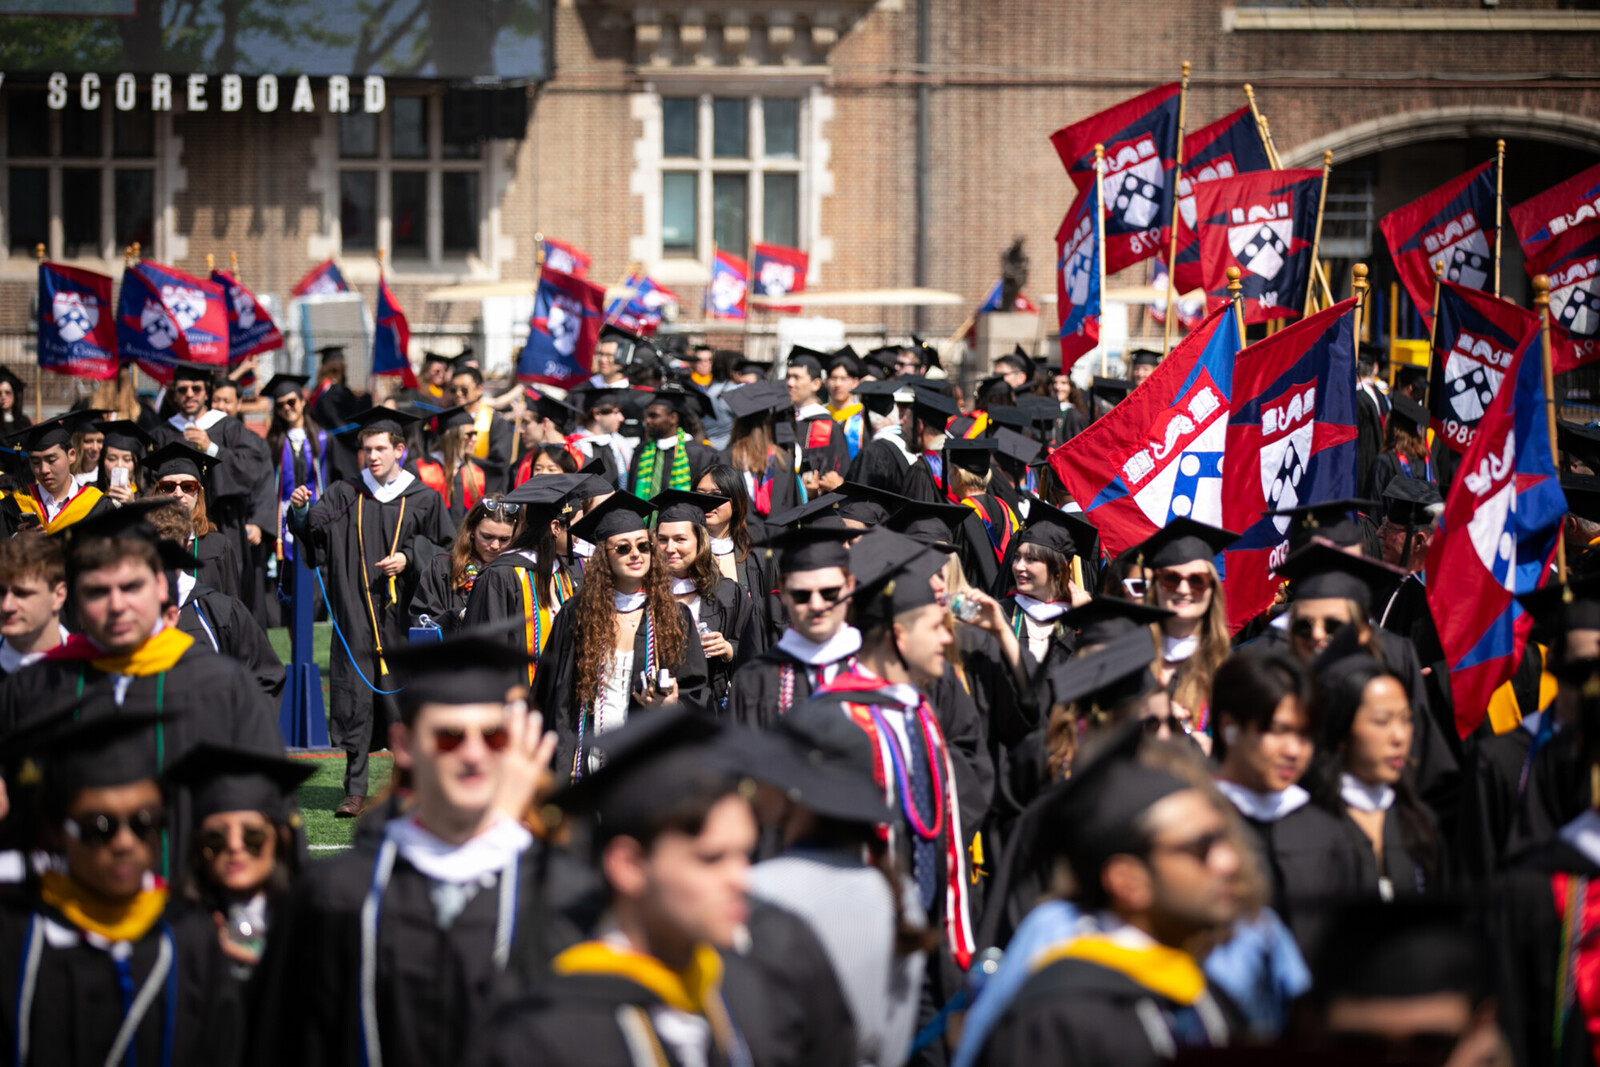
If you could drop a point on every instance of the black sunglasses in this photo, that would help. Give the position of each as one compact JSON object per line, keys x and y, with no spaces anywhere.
{"x":101,"y":829}
{"x":1305,"y":627}
{"x":829,"y":594}
{"x":214,"y":843}
{"x":1200,"y":848}
{"x":504,"y":507}
{"x":1152,"y":724}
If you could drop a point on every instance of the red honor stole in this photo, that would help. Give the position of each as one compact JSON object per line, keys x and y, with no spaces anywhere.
{"x":1579,"y":975}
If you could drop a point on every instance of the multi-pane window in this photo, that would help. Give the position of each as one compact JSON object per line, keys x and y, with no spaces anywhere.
{"x":82,"y":183}
{"x":407,"y":186}
{"x":730,"y":173}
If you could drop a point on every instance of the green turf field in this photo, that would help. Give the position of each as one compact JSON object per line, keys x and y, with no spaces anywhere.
{"x":325,"y":789}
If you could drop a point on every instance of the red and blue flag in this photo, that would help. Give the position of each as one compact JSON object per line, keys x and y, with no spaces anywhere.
{"x":1228,"y":147}
{"x":1454,"y":223}
{"x":642,"y":311}
{"x":1572,"y":262}
{"x":730,"y":285}
{"x":1291,"y":443}
{"x":322,"y":280}
{"x":1474,"y":342}
{"x":566,"y":324}
{"x":1141,"y":148}
{"x":566,"y":258}
{"x":993,"y":302}
{"x":165,"y":315}
{"x":1496,"y":539}
{"x":777,"y":271}
{"x":1541,"y":219}
{"x":77,"y":331}
{"x":1078,"y":277}
{"x":1158,"y":454}
{"x":1264,"y":223}
{"x":251,"y":330}
{"x":392,"y":340}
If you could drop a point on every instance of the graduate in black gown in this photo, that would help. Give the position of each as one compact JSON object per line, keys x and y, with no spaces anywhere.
{"x":1405,"y":448}
{"x":769,"y":470}
{"x":730,"y":528}
{"x":1152,"y":862}
{"x":923,"y":423}
{"x":722,"y":612}
{"x":883,"y":459}
{"x":333,"y":406}
{"x":623,"y":647}
{"x":392,"y":949}
{"x":50,"y":496}
{"x":667,"y":457}
{"x":650,"y":982}
{"x":449,"y":578}
{"x":823,"y":446}
{"x":372,"y":535}
{"x":104,"y":966}
{"x":177,"y":472}
{"x":132,"y":657}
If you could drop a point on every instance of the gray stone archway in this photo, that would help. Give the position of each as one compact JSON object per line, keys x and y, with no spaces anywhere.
{"x":1448,"y":123}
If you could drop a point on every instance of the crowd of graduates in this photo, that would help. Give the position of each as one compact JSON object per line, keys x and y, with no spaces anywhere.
{"x":755,"y":720}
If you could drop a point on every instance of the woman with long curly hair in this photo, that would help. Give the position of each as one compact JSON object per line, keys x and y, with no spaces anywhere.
{"x":448,"y":578}
{"x":179,"y":471}
{"x":729,"y":527}
{"x":1194,"y":641}
{"x":1405,"y":447}
{"x":625,"y":646}
{"x":722,"y":612}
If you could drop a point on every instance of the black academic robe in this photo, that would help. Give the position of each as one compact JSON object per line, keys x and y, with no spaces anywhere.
{"x":1308,"y":858}
{"x":77,"y":1002}
{"x":1388,"y":466}
{"x":555,"y":682}
{"x":756,"y":695}
{"x":360,"y":595}
{"x":727,"y":611}
{"x":233,"y":481}
{"x":701,"y":459}
{"x":1406,"y":876}
{"x":823,"y":444}
{"x":223,"y":624}
{"x":432,"y":984}
{"x":1369,"y":431}
{"x":219,"y":562}
{"x":880,"y":464}
{"x":437,"y":597}
{"x":784,"y":992}
{"x":1073,"y":422}
{"x":1086,"y":1014}
{"x":497,"y":594}
{"x":496,"y":464}
{"x":202,"y":697}
{"x":333,"y":408}
{"x":755,"y":576}
{"x":1491,"y":791}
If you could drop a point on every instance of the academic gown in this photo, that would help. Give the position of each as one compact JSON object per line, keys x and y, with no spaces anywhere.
{"x":754,"y":576}
{"x":496,"y":460}
{"x":728,"y":612}
{"x":232,"y":482}
{"x":1387,"y":467}
{"x":785,"y":993}
{"x":756,"y":696}
{"x":823,"y":444}
{"x":335,"y":405}
{"x":498,"y":594}
{"x":1405,"y":874}
{"x":1369,"y":430}
{"x":1073,"y":422}
{"x":219,"y":562}
{"x":358,"y":593}
{"x":433,"y":985}
{"x":1073,"y":1011}
{"x":263,"y":514}
{"x":201,"y":697}
{"x":223,"y":624}
{"x":701,"y":459}
{"x":880,"y":464}
{"x":1309,"y":858}
{"x":555,"y":683}
{"x":437,"y":598}
{"x":1491,"y":792}
{"x":78,"y":1004}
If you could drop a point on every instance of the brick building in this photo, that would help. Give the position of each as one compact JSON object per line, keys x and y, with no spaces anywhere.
{"x":901,"y":142}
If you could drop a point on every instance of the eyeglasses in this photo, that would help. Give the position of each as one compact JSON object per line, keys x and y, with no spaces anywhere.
{"x":1172,"y":581}
{"x":829,"y":594}
{"x":172,"y":488}
{"x":461,"y":390}
{"x":1152,"y":724}
{"x":214,"y":843}
{"x":502,"y":507}
{"x":450,"y":738}
{"x":189,"y":387}
{"x":1199,"y":848}
{"x":607,"y":409}
{"x":628,"y":548}
{"x":1306,"y":626}
{"x":287,"y":402}
{"x":100,"y":829}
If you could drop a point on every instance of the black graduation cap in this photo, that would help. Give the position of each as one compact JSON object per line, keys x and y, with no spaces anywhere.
{"x":1144,"y":357}
{"x":1409,"y":374}
{"x":845,"y":357}
{"x":760,"y":368}
{"x":1013,"y":418}
{"x":930,"y":522}
{"x":127,"y":435}
{"x":556,"y":496}
{"x":131,"y":521}
{"x":1409,"y":411}
{"x":473,"y":666}
{"x":811,"y":548}
{"x":1050,"y":527}
{"x":876,"y":395}
{"x":679,"y":505}
{"x":449,"y":419}
{"x":1182,"y":541}
{"x":932,"y":407}
{"x":649,"y":764}
{"x":1110,"y":676}
{"x":757,"y":398}
{"x":684,"y":401}
{"x":970,"y":454}
{"x":816,"y":508}
{"x":809,"y":358}
{"x":1018,"y":359}
{"x":1321,"y":571}
{"x":819,"y":760}
{"x":1110,"y":390}
{"x":590,"y":399}
{"x":1336,"y":520}
{"x":881,"y":361}
{"x":101,"y":752}
{"x":1411,"y":501}
{"x":327,"y":352}
{"x":435,"y":357}
{"x":1580,"y":442}
{"x":868,"y":504}
{"x":1106,"y":618}
{"x":929,"y":354}
{"x":557,"y":411}
{"x":45,"y":435}
{"x":177,"y":458}
{"x":467,"y":360}
{"x":187,"y":371}
{"x":282,"y":385}
{"x":222,"y":778}
{"x":619,"y":513}
{"x":1583,"y":495}
{"x":16,"y":383}
{"x":380,"y":420}
{"x":1014,"y":448}
{"x":892,"y":574}
{"x":612,"y":332}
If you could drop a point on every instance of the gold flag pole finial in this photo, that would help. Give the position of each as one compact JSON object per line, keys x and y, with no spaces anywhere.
{"x":1236,"y":297}
{"x":1359,"y":288}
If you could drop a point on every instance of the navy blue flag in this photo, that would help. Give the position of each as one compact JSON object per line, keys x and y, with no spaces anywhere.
{"x":1474,"y":344}
{"x":1230,"y":146}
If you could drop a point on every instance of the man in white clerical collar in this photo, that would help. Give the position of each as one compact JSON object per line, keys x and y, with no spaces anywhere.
{"x":33,"y":589}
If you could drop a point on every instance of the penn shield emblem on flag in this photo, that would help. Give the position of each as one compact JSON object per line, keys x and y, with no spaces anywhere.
{"x":322,"y":280}
{"x":1542,"y":218}
{"x":1453,"y":224}
{"x":641,"y":312}
{"x":1263,"y":223}
{"x":566,"y":258}
{"x":199,"y":306}
{"x":1078,"y":278}
{"x":1141,"y":144}
{"x":1572,"y":262}
{"x":1496,"y":539}
{"x":1158,"y":454}
{"x":1475,"y":339}
{"x":1228,"y":147}
{"x":730,"y":284}
{"x":1291,"y":442}
{"x":251,"y":330}
{"x":392,"y":339}
{"x":77,"y":332}
{"x":565,"y":327}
